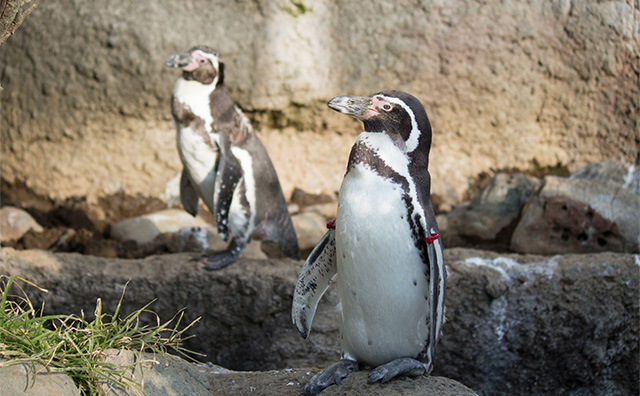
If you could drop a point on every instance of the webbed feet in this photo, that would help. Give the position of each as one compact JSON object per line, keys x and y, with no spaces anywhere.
{"x":214,"y":260}
{"x":331,"y":375}
{"x":403,"y":366}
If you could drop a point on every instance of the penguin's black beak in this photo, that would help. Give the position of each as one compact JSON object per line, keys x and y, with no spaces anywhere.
{"x":179,"y":60}
{"x":355,"y":106}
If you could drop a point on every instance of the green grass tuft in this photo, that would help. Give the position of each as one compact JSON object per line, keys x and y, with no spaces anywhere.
{"x":74,"y":345}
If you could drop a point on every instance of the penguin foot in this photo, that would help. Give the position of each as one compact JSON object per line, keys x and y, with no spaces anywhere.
{"x":403,"y":366}
{"x":215,"y":260}
{"x":331,"y":375}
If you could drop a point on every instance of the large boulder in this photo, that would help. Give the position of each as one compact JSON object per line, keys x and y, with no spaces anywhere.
{"x":172,"y":376}
{"x":144,"y":229}
{"x":158,"y":375}
{"x":577,"y":215}
{"x":628,"y":176}
{"x":570,"y":322}
{"x":86,"y":92}
{"x":490,"y":218}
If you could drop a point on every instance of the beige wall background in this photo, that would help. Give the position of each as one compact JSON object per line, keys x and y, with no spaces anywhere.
{"x":85,"y":107}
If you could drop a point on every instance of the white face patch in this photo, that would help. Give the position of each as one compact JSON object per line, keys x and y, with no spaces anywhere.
{"x":412,"y":142}
{"x":214,"y":61}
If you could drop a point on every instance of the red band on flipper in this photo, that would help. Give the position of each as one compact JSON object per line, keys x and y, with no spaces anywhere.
{"x":332,"y":224}
{"x":431,"y":238}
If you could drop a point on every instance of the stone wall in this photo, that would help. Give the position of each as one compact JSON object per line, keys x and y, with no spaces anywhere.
{"x":85,"y":107}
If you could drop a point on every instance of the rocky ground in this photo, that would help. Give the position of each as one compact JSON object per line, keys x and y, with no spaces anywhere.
{"x":592,"y":210}
{"x":516,"y":324}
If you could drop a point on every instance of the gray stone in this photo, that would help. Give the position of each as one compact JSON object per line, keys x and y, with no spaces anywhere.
{"x":15,"y":222}
{"x":533,"y":325}
{"x":578,"y":215}
{"x":310,"y":228}
{"x":146,"y":228}
{"x":289,"y":382}
{"x":628,"y":176}
{"x":159,"y":375}
{"x":195,"y":239}
{"x":21,"y":380}
{"x":571,"y":322}
{"x":496,"y":208}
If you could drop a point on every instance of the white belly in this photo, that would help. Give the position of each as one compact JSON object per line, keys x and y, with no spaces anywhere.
{"x":199,"y":159}
{"x":381,"y":281}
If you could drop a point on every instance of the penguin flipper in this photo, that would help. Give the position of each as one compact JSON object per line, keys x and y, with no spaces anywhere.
{"x":188,"y":194}
{"x":314,"y":280}
{"x":437,"y":279}
{"x":228,"y":176}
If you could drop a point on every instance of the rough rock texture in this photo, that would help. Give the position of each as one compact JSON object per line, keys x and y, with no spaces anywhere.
{"x":159,"y":375}
{"x":143,"y":229}
{"x":172,"y":376}
{"x":579,"y":215}
{"x":15,"y":222}
{"x":491,"y":216}
{"x":310,"y":228}
{"x":19,"y":380}
{"x":516,"y":324}
{"x":290,"y":382}
{"x":86,"y":93}
{"x":627,"y":176}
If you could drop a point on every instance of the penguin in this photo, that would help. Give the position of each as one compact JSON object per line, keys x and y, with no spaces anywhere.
{"x":224,"y":162}
{"x":383,"y":248}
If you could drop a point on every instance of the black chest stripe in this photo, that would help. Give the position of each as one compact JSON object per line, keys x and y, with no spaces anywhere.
{"x":361,"y":153}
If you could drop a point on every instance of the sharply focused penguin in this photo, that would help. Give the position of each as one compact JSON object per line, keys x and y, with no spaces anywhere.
{"x":224,"y":162}
{"x":384,"y":247}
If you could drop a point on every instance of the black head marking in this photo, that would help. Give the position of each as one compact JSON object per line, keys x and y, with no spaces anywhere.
{"x":405,"y":116}
{"x":393,"y":112}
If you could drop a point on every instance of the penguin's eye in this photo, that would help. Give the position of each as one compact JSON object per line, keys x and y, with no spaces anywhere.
{"x":386,"y":107}
{"x":202,"y":60}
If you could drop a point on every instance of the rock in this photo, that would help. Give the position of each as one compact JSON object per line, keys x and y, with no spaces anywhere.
{"x":15,"y":222}
{"x":569,"y":321}
{"x":20,"y":380}
{"x":494,"y":210}
{"x":628,"y":176}
{"x":289,"y":382}
{"x":328,"y":210}
{"x":578,"y":216}
{"x":160,"y":375}
{"x":310,"y":227}
{"x":145,"y":228}
{"x":304,"y":199}
{"x":168,"y":375}
{"x":195,"y":239}
{"x":176,"y":231}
